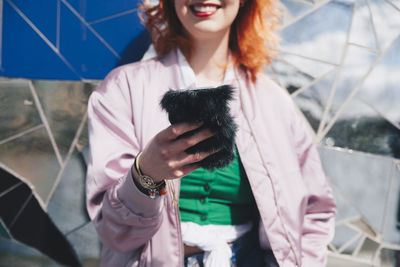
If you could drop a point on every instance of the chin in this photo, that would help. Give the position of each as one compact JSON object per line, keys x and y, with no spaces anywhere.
{"x":204,"y":31}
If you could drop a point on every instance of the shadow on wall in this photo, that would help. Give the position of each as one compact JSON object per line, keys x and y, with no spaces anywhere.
{"x":136,"y":49}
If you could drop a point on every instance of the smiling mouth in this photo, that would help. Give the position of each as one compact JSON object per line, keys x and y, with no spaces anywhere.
{"x":204,"y":9}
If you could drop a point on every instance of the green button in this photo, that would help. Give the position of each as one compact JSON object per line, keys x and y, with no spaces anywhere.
{"x":207,"y":187}
{"x":202,"y":200}
{"x":203,"y":217}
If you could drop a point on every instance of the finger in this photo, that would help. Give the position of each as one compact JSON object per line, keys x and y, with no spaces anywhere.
{"x":175,"y":130}
{"x":184,"y":159}
{"x":189,"y":168}
{"x":187,"y":159}
{"x":183,"y":171}
{"x":184,"y":143}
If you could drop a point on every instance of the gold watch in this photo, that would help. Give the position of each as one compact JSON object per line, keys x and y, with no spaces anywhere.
{"x":146,"y":183}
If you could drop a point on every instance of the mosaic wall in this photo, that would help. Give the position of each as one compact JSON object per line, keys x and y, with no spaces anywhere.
{"x":340,"y":61}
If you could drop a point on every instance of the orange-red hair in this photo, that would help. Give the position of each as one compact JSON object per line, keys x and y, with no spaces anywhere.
{"x":253,"y":38}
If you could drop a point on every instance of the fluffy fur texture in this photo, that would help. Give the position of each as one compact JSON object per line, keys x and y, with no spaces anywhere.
{"x":210,"y":106}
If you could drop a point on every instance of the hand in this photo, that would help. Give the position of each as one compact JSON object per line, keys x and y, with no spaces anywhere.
{"x":164,"y":157}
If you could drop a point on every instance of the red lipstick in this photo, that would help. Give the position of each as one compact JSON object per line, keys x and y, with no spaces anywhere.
{"x":203,"y":10}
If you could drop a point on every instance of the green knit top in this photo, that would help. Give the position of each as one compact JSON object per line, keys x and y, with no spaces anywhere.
{"x":222,"y":196}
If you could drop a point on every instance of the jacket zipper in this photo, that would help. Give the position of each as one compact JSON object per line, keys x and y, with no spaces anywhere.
{"x":269,"y":176}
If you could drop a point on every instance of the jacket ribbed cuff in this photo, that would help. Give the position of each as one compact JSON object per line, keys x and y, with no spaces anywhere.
{"x":136,"y":201}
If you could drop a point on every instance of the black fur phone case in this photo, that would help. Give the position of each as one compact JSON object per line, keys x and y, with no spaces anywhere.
{"x":210,"y":106}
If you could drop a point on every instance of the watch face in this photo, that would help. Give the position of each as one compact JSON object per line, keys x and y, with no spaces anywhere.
{"x":147,"y":182}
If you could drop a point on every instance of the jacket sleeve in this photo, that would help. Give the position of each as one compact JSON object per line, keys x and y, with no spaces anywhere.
{"x":319,"y":222}
{"x":124,"y":217}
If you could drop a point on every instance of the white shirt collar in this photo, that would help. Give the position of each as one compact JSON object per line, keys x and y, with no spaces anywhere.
{"x":189,"y":77}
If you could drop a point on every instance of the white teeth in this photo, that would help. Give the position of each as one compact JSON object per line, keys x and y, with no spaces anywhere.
{"x":204,"y":9}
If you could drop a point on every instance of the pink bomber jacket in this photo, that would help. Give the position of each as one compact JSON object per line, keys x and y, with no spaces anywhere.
{"x":293,"y":197}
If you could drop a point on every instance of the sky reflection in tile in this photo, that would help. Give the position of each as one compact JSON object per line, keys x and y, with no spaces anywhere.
{"x":364,"y":180}
{"x":355,"y":67}
{"x":310,"y":67}
{"x":295,"y":8}
{"x":289,"y":76}
{"x":308,"y":33}
{"x":387,"y":29}
{"x":363,"y":30}
{"x":343,"y":234}
{"x":382,"y":89}
{"x":312,"y":101}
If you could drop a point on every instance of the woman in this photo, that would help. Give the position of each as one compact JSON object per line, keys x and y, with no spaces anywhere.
{"x":138,"y":159}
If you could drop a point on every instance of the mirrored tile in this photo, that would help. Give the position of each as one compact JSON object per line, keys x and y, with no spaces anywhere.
{"x":336,"y":260}
{"x":8,"y":182}
{"x":355,"y":66}
{"x":289,"y":76}
{"x":360,"y":128}
{"x":381,"y":88}
{"x":19,"y":197}
{"x":363,"y":179}
{"x":386,"y":19}
{"x":67,"y":206}
{"x":14,"y":253}
{"x":17,"y":109}
{"x":308,"y":66}
{"x":368,"y":249}
{"x":389,"y":257}
{"x":286,"y":17}
{"x":32,"y":156}
{"x":396,"y":3}
{"x":312,"y":101}
{"x":83,"y":140}
{"x":4,"y":233}
{"x":64,"y":105}
{"x":324,"y":41}
{"x":362,"y":225}
{"x":362,"y":29}
{"x":391,"y":230}
{"x":87,"y":243}
{"x":296,"y":8}
{"x":345,"y":210}
{"x":344,"y":234}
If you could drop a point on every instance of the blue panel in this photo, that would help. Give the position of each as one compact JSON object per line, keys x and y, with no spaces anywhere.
{"x":79,"y":6}
{"x":43,"y":13}
{"x":26,"y":54}
{"x":93,"y":10}
{"x":87,"y":54}
{"x":96,"y":9}
{"x":120,"y":31}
